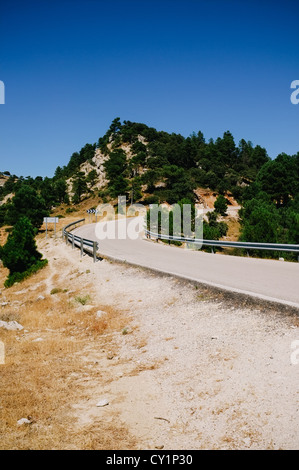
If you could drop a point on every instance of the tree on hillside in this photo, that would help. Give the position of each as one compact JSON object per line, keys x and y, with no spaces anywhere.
{"x":279,"y":178}
{"x":61,"y":194}
{"x":26,"y":203}
{"x":48,"y":193}
{"x":226,"y":148}
{"x":116,"y":169}
{"x":20,"y":254}
{"x":115,"y":165}
{"x":220,"y":205}
{"x":259,"y":220}
{"x":79,"y":186}
{"x":91,"y":178}
{"x":178,"y":184}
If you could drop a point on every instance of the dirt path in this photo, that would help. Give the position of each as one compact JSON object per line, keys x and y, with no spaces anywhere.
{"x":189,"y":371}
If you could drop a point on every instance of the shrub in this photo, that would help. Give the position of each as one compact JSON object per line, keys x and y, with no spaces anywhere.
{"x":20,"y":254}
{"x":19,"y":277}
{"x":82,"y":300}
{"x":55,"y":291}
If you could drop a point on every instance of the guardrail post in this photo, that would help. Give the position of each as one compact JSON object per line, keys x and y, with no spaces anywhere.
{"x":81,"y":247}
{"x":94,"y":251}
{"x":73,"y":241}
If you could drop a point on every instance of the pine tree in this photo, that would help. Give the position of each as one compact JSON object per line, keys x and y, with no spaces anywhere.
{"x":20,"y":253}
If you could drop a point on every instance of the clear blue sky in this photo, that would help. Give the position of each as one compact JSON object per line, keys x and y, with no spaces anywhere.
{"x":71,"y":66}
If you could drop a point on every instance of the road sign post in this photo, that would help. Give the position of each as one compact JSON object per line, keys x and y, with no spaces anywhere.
{"x":51,"y":220}
{"x":90,"y":212}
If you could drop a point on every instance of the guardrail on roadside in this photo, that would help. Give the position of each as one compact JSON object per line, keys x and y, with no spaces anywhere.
{"x":83,"y":243}
{"x":228,"y":244}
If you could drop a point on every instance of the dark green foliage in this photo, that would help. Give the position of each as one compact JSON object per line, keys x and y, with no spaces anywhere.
{"x":135,"y":189}
{"x":220,"y":205}
{"x":26,"y":202}
{"x":20,"y":254}
{"x":19,"y":277}
{"x":270,"y":210}
{"x":2,"y":215}
{"x":115,"y":165}
{"x":214,"y":230}
{"x":91,"y":178}
{"x":116,"y":169}
{"x":279,"y":178}
{"x":178,"y":184}
{"x":61,"y":194}
{"x":79,"y":187}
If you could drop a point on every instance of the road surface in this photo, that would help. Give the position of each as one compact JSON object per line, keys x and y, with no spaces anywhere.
{"x":270,"y":280}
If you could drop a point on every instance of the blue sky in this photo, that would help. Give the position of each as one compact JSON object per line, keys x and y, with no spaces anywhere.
{"x":70,"y":67}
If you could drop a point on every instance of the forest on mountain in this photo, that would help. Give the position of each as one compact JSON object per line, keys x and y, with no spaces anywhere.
{"x":150,"y":166}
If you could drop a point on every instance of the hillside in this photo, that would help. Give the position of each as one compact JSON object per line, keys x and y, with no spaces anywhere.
{"x":150,"y":166}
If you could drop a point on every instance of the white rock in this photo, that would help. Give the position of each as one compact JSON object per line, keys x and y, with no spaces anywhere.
{"x":40,"y":297}
{"x":11,"y":325}
{"x":247,"y":441}
{"x":23,"y":421}
{"x":104,"y":402}
{"x":100,"y":313}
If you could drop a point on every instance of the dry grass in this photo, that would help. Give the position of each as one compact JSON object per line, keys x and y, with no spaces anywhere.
{"x":234,"y":228}
{"x":46,"y":365}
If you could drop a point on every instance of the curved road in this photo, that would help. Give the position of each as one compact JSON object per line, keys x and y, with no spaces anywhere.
{"x":272,"y":280}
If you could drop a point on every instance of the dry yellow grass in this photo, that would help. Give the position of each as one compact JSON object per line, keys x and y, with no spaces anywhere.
{"x":47,"y":363}
{"x":234,"y":227}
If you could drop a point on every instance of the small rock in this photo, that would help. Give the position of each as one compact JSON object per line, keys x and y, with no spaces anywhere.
{"x":214,"y":337}
{"x":103,"y":403}
{"x":40,"y":297}
{"x":100,"y":313}
{"x":4,"y":304}
{"x":11,"y":325}
{"x":23,"y":421}
{"x":37,"y":340}
{"x":159,"y":447}
{"x":247,"y":441}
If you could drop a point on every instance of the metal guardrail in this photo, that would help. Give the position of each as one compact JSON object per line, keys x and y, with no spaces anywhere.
{"x":230,"y":244}
{"x":92,"y":246}
{"x":83,"y":243}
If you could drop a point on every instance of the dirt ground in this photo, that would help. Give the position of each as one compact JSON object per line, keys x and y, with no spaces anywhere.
{"x":180,"y":367}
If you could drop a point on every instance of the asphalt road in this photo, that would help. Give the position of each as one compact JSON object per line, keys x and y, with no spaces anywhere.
{"x":266,"y":279}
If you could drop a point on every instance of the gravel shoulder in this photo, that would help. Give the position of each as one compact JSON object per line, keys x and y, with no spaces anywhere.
{"x":193,"y":370}
{"x":147,"y":361}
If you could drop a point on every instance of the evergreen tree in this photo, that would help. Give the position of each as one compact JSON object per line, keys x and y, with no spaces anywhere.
{"x":220,"y":205}
{"x":79,"y":187}
{"x":20,"y":254}
{"x":28,"y":203}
